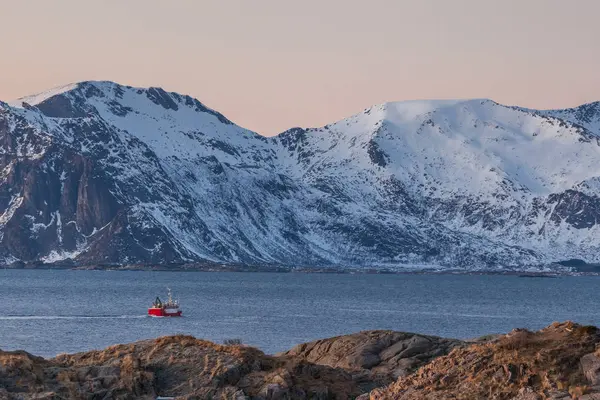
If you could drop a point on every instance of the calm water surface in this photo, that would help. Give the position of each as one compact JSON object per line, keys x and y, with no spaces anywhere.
{"x":51,"y":312}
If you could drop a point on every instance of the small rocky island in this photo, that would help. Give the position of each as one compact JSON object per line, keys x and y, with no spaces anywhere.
{"x":558,"y":362}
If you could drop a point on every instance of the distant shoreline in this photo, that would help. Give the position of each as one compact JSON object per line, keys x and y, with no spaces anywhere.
{"x":561,"y":270}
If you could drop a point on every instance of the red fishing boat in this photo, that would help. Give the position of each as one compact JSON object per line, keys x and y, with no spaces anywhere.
{"x":170,"y":308}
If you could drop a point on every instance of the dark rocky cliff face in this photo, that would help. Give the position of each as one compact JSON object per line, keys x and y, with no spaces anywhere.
{"x":62,"y":203}
{"x":67,"y":202}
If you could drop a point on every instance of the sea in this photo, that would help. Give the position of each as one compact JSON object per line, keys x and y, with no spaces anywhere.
{"x":47,"y":312}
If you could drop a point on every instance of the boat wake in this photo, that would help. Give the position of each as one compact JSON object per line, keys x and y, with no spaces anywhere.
{"x":33,"y":317}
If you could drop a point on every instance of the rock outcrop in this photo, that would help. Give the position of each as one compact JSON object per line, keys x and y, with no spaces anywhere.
{"x":375,"y":357}
{"x":178,"y":366}
{"x":558,"y":362}
{"x":189,"y":368}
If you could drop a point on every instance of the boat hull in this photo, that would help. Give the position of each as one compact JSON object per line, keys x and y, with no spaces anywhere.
{"x":163,"y":312}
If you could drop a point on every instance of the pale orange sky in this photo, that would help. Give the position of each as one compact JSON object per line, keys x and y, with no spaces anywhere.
{"x":273,"y":64}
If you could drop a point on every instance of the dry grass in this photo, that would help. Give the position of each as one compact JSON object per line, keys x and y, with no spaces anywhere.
{"x":545,"y":361}
{"x":517,"y":340}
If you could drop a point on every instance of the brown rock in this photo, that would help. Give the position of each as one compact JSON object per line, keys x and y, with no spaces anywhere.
{"x":381,"y":356}
{"x":405,"y":366}
{"x":527,"y":393}
{"x":181,"y":366}
{"x":590,"y":396}
{"x":558,"y":362}
{"x":185,"y":367}
{"x":522,"y":365}
{"x":590,"y":363}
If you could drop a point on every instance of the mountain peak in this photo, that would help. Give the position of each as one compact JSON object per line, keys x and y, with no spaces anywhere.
{"x":104,"y":87}
{"x":77,"y":100}
{"x":413,"y":112}
{"x":408,"y":110}
{"x":35,"y":99}
{"x":435,"y":103}
{"x":412,"y":108}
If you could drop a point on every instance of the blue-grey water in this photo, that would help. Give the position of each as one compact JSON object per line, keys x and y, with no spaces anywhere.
{"x":49,"y":312}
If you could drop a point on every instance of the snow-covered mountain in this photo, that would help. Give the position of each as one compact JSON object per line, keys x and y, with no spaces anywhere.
{"x":103,"y":173}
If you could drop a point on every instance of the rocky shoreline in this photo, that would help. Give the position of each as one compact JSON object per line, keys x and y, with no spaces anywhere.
{"x":558,"y":362}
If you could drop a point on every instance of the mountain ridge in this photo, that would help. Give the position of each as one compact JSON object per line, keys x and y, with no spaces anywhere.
{"x":130,"y":175}
{"x":62,"y":89}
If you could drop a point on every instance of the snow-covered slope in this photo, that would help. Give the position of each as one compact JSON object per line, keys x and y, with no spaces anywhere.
{"x":100,"y":172}
{"x":517,"y":177}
